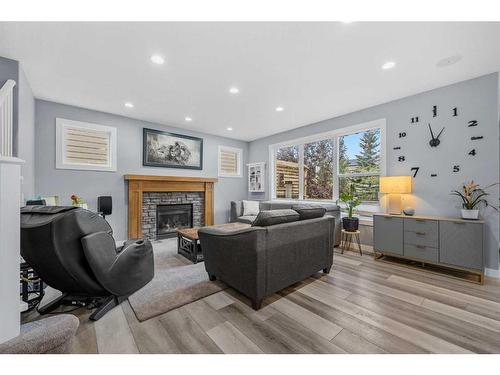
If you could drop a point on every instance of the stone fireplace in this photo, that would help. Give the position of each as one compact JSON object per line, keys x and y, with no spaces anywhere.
{"x":149,"y":195}
{"x":164,"y":213}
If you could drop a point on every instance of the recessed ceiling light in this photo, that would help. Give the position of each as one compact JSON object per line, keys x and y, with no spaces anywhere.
{"x":234,"y":90}
{"x":230,"y":129}
{"x":447,"y":61}
{"x":157,"y":59}
{"x":347,"y":21}
{"x":188,"y":119}
{"x":129,"y":105}
{"x":388,"y":65}
{"x":280,"y":109}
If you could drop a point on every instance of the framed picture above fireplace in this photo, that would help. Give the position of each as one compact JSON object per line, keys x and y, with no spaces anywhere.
{"x":169,"y":150}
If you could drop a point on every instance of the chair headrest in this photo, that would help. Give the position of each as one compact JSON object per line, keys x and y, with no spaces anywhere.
{"x":48,"y":210}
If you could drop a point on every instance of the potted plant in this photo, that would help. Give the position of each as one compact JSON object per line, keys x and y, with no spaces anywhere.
{"x":350,"y":223}
{"x":78,"y":202}
{"x":473,"y":196}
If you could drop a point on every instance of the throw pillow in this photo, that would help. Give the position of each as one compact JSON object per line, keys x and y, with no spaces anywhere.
{"x":273,"y":217}
{"x":309,"y":211}
{"x":250,"y":208}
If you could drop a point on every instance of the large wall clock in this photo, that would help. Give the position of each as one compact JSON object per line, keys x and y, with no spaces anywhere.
{"x":436,"y":125}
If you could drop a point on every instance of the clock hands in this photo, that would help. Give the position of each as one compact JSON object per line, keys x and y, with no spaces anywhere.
{"x":434,"y":142}
{"x":432,"y":134}
{"x":440,"y":133}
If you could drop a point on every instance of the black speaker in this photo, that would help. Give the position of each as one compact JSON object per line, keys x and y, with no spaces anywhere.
{"x":104,"y":205}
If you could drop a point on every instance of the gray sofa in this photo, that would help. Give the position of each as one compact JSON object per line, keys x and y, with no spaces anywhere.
{"x":261,"y":260}
{"x":332,"y":209}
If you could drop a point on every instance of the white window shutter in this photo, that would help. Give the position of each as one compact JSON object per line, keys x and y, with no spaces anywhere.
{"x":85,"y":146}
{"x":229,"y":161}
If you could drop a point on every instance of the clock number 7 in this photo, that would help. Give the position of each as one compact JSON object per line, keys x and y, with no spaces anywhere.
{"x":416,"y":171}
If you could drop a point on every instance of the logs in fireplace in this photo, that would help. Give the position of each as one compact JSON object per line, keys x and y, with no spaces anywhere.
{"x":170,"y":217}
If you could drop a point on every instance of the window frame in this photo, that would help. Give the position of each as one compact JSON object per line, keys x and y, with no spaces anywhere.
{"x":239,"y":156}
{"x":61,"y":163}
{"x":333,"y":135}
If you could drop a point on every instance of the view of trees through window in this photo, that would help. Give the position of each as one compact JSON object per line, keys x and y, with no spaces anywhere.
{"x":358,"y":167}
{"x":318,"y":169}
{"x":359,"y":164}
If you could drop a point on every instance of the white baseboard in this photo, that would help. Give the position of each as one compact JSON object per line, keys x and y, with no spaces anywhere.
{"x":490,"y":272}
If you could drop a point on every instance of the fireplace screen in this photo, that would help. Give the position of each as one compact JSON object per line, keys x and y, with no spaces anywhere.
{"x":170,"y":217}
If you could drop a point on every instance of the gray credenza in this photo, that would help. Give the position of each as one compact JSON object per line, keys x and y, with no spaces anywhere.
{"x":450,"y":242}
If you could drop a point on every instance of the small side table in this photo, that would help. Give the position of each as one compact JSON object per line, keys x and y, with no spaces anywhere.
{"x":188,"y":244}
{"x":347,"y":239}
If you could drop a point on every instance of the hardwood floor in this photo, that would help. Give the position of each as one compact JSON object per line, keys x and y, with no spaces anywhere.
{"x":362,"y":306}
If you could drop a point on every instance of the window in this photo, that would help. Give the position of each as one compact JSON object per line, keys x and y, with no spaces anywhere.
{"x":359,"y":164}
{"x":229,"y":161}
{"x":81,"y":145}
{"x":287,"y":172}
{"x":318,"y":169}
{"x":324,"y":166}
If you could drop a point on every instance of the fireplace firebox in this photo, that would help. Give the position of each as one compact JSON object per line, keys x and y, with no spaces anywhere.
{"x":170,"y":217}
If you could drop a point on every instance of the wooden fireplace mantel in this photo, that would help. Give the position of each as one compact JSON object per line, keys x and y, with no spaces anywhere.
{"x":137,"y":184}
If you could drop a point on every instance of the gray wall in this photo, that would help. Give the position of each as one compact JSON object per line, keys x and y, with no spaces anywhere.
{"x":90,"y":184}
{"x":476,"y":99}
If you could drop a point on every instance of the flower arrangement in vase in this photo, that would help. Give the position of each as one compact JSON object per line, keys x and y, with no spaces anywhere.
{"x":473,"y":196}
{"x":78,"y":202}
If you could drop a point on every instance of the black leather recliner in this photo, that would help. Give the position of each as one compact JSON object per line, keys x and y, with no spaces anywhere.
{"x":73,"y":250}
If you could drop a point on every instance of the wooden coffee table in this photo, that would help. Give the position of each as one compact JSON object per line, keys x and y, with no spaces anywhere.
{"x":188,"y":242}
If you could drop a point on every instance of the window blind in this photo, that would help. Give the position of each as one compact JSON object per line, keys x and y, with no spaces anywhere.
{"x":85,"y":146}
{"x":228,"y":162}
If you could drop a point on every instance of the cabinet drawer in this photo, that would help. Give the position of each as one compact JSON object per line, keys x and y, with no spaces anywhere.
{"x":461,"y":244}
{"x":430,"y":239}
{"x":430,"y":254}
{"x":388,"y":234}
{"x":422,"y":225}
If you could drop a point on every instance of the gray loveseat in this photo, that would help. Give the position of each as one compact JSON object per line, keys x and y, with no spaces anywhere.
{"x":261,"y":260}
{"x":332,"y":209}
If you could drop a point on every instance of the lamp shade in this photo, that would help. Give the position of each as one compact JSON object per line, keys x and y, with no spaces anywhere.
{"x":395,"y":185}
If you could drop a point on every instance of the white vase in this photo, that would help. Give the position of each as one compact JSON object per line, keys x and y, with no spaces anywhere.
{"x":470,"y":214}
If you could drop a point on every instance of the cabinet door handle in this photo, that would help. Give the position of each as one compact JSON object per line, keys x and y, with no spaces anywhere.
{"x":420,"y":233}
{"x":420,"y":220}
{"x":459,"y":222}
{"x":420,"y":246}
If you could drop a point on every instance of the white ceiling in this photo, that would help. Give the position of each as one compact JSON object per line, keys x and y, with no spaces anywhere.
{"x":314,"y":70}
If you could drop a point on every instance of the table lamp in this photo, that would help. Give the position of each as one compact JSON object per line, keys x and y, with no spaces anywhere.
{"x":394,"y":186}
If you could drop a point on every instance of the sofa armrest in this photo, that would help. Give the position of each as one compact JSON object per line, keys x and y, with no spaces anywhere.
{"x":236,"y":257}
{"x":236,"y":210}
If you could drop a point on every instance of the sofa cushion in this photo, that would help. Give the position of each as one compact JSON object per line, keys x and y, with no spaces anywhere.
{"x":309,"y":211}
{"x":249,"y":219}
{"x":250,"y":208}
{"x":273,"y":217}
